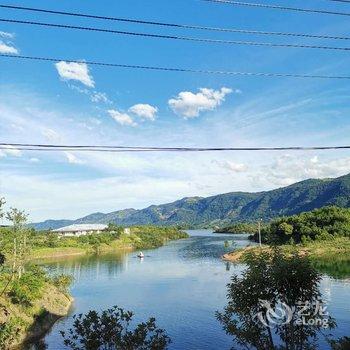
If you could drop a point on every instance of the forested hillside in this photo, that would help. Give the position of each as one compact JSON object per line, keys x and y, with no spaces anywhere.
{"x":228,"y":208}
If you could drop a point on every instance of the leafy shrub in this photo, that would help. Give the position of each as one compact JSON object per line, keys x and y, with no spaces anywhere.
{"x":62,"y":282}
{"x":28,"y":288}
{"x":111,"y":330}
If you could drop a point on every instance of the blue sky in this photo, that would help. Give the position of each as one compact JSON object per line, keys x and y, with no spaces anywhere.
{"x":81,"y":104}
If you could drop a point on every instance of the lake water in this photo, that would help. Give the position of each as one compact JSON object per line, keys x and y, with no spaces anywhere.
{"x":181,"y":284}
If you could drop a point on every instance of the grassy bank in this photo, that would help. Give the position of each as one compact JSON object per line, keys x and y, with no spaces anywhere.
{"x":331,"y":257}
{"x":140,"y":237}
{"x":31,"y":305}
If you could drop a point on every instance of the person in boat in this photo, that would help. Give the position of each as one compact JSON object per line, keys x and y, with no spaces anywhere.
{"x":141,"y":255}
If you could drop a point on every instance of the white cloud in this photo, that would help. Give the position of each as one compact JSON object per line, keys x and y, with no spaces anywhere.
{"x":10,"y":151}
{"x":121,"y":118}
{"x":7,"y":35}
{"x":99,"y":97}
{"x":190,"y":105}
{"x":232,"y":166}
{"x":50,"y":135}
{"x":144,"y":111}
{"x":288,"y":169}
{"x":7,"y":48}
{"x":72,"y":159}
{"x":75,"y":71}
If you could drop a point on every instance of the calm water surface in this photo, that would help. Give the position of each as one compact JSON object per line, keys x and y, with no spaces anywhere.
{"x":181,"y":284}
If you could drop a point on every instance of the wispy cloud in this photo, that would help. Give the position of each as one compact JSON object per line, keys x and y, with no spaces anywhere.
{"x":232,"y":166}
{"x":7,"y":35}
{"x":75,"y":71}
{"x":73,"y":159}
{"x":10,"y":151}
{"x":190,"y":105}
{"x":6,"y":46}
{"x":121,"y":118}
{"x":100,"y":97}
{"x":50,"y":135}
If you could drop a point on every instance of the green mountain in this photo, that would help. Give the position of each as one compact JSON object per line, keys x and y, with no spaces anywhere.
{"x":228,"y":208}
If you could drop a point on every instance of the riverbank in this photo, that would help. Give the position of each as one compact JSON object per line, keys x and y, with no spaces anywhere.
{"x":140,"y":238}
{"x":337,"y":247}
{"x":22,"y":324}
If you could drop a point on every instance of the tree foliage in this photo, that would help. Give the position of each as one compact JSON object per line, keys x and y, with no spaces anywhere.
{"x":111,"y":329}
{"x":320,"y":224}
{"x":274,"y":285}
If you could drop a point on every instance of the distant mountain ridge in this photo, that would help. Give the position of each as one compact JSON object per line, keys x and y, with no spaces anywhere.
{"x":227,"y":208}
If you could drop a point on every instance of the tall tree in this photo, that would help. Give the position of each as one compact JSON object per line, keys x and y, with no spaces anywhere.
{"x":21,"y":247}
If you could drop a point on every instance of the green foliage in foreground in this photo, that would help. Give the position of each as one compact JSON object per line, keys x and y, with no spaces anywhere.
{"x":8,"y":333}
{"x":110,"y":329}
{"x":318,"y":225}
{"x":264,"y":303}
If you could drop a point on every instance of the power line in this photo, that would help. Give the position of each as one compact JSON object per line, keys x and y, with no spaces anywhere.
{"x":177,"y":25}
{"x":343,"y":1}
{"x":96,"y":148}
{"x":174,"y":37}
{"x":278,"y":7}
{"x":178,"y":70}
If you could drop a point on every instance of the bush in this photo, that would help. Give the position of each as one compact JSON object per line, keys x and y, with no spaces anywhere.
{"x":111,"y":330}
{"x":28,"y":288}
{"x":62,"y":282}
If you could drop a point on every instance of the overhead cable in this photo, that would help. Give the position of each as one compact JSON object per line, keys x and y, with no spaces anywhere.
{"x":177,"y":70}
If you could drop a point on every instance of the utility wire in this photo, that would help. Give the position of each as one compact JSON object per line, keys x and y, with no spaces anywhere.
{"x":179,"y":70}
{"x":175,"y":37}
{"x":278,"y":7}
{"x":177,"y":25}
{"x":343,"y":1}
{"x":94,"y":148}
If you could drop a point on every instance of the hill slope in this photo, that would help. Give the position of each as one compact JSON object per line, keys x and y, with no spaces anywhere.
{"x":229,"y":207}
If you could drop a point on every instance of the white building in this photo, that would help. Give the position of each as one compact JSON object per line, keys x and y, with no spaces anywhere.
{"x":80,"y":230}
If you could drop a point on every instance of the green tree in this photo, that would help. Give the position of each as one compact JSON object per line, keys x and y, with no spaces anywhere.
{"x":275,"y":285}
{"x":21,"y":246}
{"x":110,"y":329}
{"x":285,"y":229}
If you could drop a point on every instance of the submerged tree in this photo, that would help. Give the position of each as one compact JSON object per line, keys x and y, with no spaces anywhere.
{"x":110,"y":329}
{"x":275,"y":304}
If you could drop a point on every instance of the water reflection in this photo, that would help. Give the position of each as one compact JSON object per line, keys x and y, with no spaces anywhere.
{"x":336,"y":266}
{"x":88,"y":266}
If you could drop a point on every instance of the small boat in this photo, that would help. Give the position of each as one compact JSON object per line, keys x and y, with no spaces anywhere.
{"x":140,"y":255}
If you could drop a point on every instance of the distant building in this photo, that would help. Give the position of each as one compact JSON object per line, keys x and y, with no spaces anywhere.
{"x":80,"y":230}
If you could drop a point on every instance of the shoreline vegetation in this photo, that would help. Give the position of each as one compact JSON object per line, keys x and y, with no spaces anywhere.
{"x":322,"y":234}
{"x":49,"y":245}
